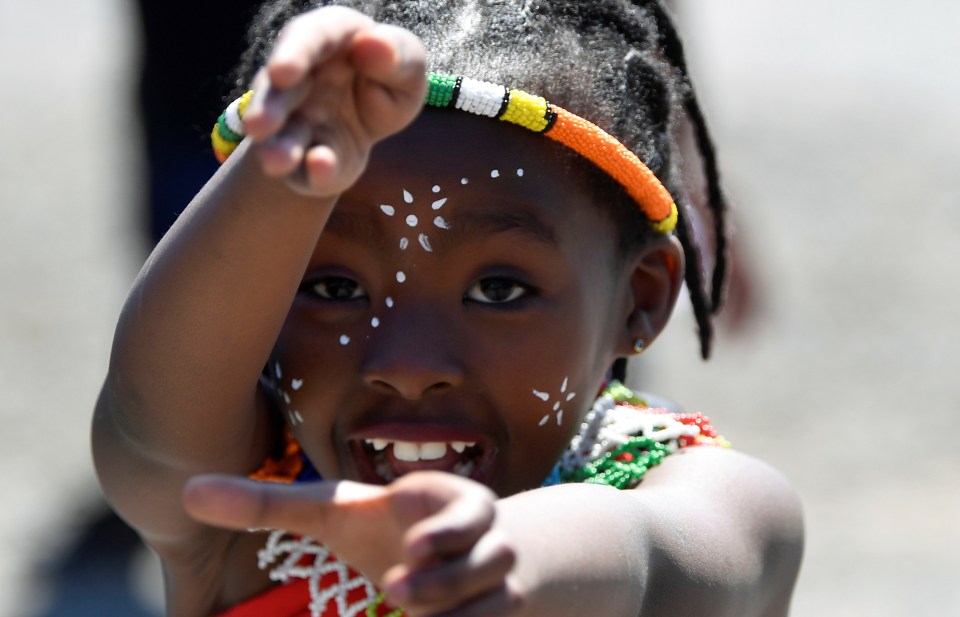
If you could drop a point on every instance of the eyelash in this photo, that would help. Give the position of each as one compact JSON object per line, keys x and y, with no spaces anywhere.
{"x":318,"y":288}
{"x":518,"y":291}
{"x":513,"y":285}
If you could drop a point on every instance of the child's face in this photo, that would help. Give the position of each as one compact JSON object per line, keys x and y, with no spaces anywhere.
{"x":465,"y":291}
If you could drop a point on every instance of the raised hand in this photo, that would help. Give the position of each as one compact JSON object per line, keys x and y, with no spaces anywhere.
{"x":429,"y":539}
{"x":336,"y":83}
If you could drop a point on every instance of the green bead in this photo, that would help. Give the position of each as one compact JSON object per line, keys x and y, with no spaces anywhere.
{"x":440,"y":89}
{"x":225,"y":131}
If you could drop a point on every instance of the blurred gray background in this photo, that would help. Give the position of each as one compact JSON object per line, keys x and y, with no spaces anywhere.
{"x":836,"y":128}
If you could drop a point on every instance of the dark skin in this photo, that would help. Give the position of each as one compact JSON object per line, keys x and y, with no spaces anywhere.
{"x":286,"y":259}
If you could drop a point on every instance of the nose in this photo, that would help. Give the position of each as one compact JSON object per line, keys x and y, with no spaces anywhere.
{"x":412,"y":354}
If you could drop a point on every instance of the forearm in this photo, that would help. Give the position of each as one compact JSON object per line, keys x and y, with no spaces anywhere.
{"x":206,"y":308}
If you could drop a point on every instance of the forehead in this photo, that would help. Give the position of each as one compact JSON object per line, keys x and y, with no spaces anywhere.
{"x":488,"y":175}
{"x":445,"y":142}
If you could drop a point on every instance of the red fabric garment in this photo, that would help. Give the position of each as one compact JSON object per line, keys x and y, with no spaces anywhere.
{"x":290,"y":600}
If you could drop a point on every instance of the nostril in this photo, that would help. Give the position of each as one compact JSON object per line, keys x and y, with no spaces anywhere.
{"x":410,"y":389}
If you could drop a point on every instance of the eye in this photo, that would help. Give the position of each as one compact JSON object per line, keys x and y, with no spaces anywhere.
{"x":336,"y":288}
{"x":496,"y":291}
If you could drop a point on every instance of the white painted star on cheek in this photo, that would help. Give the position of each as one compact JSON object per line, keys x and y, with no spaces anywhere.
{"x":558,"y":405}
{"x":295,"y":384}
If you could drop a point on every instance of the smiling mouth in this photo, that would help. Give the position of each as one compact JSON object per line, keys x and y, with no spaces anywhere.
{"x":388,"y":459}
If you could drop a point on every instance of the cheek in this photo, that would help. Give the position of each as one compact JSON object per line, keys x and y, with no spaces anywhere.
{"x":311,"y":365}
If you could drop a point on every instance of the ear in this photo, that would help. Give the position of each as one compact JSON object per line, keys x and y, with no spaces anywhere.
{"x":653,"y":277}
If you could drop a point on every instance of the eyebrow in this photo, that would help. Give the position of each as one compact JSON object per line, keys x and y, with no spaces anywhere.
{"x":469,"y":224}
{"x":479,"y":223}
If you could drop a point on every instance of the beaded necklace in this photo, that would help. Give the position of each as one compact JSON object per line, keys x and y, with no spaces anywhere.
{"x":620,"y":439}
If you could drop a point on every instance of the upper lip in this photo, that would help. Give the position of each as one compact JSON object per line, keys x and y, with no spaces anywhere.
{"x":417,"y":430}
{"x":440,"y":419}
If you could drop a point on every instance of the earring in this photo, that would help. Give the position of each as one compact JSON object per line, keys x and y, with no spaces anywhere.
{"x":638,"y":345}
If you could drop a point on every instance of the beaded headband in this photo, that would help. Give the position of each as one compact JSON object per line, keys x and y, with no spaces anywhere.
{"x":524,"y":109}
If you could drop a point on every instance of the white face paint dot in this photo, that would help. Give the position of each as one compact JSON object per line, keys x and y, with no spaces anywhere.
{"x":388,"y":210}
{"x":389,"y":302}
{"x":296,"y":384}
{"x":276,"y":370}
{"x":495,"y":173}
{"x":344,"y":339}
{"x":571,"y":396}
{"x":544,"y":420}
{"x":436,"y":188}
{"x":375,"y":322}
{"x":442,"y":224}
{"x":520,"y":172}
{"x":401,"y":277}
{"x":560,"y":417}
{"x":563,"y":387}
{"x":425,"y":243}
{"x":543,"y":396}
{"x":464,"y":181}
{"x":556,"y":406}
{"x":412,"y":220}
{"x":407,"y":197}
{"x":404,"y":243}
{"x":438,"y":204}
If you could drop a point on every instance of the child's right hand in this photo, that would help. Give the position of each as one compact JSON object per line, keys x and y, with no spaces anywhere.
{"x":430,"y":537}
{"x":336,"y":83}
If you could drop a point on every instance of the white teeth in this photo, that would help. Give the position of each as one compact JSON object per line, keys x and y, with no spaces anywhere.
{"x":464,"y":468}
{"x":411,"y":451}
{"x":406,"y":451}
{"x":432,"y":450}
{"x":384,"y":471}
{"x":460,"y":446}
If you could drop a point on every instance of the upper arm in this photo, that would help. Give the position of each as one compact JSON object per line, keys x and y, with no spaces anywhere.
{"x":724,"y":521}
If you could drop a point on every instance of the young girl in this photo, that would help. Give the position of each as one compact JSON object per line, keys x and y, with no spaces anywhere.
{"x":437,"y":296}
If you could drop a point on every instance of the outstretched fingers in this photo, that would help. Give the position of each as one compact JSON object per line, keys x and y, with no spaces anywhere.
{"x":312,"y":52}
{"x":478,"y":577}
{"x":453,"y":529}
{"x":310,"y":40}
{"x":239,"y":503}
{"x":391,"y":62}
{"x":305,"y":44}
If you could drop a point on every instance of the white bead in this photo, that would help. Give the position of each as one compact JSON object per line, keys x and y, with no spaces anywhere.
{"x":480,"y":97}
{"x":232,"y":118}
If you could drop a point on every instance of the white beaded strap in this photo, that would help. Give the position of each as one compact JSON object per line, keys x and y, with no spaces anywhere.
{"x":291,"y":550}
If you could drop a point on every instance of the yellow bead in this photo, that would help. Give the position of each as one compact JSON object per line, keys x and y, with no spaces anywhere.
{"x":527,"y":110}
{"x":221,"y":146}
{"x":244,"y":101}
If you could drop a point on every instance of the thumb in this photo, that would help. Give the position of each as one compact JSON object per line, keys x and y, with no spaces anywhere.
{"x":239,"y":503}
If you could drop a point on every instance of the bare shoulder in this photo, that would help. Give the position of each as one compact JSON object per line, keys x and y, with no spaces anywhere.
{"x":737,"y":476}
{"x":726,"y":521}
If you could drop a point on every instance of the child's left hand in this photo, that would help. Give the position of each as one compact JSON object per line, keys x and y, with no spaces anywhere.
{"x":429,"y":538}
